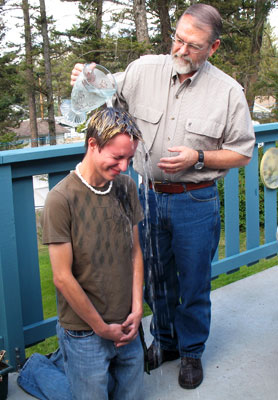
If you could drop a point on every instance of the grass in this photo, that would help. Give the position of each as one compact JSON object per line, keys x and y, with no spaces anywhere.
{"x":49,"y":298}
{"x":49,"y":303}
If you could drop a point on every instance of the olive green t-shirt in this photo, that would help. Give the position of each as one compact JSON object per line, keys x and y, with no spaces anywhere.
{"x":100,"y":228}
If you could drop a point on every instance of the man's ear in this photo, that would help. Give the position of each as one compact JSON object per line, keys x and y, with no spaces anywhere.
{"x":92,"y":144}
{"x":214,"y":47}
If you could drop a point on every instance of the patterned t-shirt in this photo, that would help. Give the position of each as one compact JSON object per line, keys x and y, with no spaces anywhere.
{"x":100,"y":228}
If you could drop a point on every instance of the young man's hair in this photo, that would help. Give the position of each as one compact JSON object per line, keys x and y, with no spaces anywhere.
{"x":206,"y":15}
{"x":106,"y":123}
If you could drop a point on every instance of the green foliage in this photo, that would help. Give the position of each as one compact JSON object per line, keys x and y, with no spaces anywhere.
{"x":10,"y":94}
{"x":49,"y":303}
{"x":9,"y":141}
{"x":267,"y":84}
{"x":242,"y":198}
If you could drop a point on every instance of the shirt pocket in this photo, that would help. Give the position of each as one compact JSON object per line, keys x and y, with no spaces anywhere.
{"x":204,"y":134}
{"x":148,"y":120}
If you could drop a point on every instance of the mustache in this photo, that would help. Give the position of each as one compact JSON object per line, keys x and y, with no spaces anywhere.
{"x":183,"y":57}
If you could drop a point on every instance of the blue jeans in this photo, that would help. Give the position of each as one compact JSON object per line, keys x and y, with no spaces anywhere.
{"x":90,"y":361}
{"x":44,"y":377}
{"x":179,"y":238}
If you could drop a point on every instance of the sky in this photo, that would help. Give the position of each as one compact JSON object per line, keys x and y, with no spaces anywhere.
{"x":273,"y":19}
{"x":65,"y":15}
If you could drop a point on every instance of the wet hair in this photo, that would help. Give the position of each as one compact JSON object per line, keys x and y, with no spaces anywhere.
{"x":205,"y":15}
{"x":106,"y":123}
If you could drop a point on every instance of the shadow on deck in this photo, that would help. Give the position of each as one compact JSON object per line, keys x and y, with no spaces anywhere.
{"x":241,"y":357}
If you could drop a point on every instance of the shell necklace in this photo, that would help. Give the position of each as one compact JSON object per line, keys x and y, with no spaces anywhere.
{"x":91,"y":187}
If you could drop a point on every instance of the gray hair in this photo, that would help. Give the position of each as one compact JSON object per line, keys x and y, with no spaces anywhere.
{"x":206,"y":15}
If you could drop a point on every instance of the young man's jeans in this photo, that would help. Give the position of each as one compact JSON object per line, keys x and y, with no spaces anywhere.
{"x":179,"y":239}
{"x":85,"y":367}
{"x":90,"y":360}
{"x":45,"y":377}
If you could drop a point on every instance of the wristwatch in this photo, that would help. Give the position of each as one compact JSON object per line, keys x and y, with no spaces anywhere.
{"x":200,"y":163}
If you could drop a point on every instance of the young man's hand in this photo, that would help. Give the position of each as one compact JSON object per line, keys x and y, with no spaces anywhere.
{"x":114,"y":332}
{"x":130,"y":328}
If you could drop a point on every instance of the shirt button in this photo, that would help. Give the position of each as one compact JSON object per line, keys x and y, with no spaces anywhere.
{"x":169,"y":138}
{"x":172,"y":118}
{"x":177,"y":96}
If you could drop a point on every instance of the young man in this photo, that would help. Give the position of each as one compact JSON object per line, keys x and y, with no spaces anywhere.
{"x":90,"y":225}
{"x":196,"y":125}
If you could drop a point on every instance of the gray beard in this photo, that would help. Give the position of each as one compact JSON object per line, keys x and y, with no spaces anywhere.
{"x":185,"y":68}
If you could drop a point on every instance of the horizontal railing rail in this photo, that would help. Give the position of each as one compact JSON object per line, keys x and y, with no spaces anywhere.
{"x":21,"y":317}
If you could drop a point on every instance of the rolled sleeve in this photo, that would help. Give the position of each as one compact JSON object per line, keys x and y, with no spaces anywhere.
{"x":239,"y":133}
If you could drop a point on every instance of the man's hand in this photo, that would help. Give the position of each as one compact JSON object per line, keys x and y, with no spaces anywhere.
{"x":185,"y":159}
{"x":114,"y":332}
{"x":76,"y":71}
{"x":130,"y":328}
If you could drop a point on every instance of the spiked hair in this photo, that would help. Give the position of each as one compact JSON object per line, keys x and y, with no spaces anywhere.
{"x":107,"y":123}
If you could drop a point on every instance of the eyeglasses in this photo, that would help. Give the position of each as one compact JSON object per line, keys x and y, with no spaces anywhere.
{"x":193,"y":48}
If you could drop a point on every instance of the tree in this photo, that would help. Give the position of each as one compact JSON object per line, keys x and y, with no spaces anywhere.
{"x":10,"y":114}
{"x":30,"y":81}
{"x":48,"y":74}
{"x":240,"y":52}
{"x":85,"y":37}
{"x":160,"y":11}
{"x":10,"y":95}
{"x":267,"y":84}
{"x":262,"y":9}
{"x":140,"y":17}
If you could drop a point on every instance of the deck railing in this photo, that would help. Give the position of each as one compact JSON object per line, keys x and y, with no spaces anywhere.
{"x":21,"y":312}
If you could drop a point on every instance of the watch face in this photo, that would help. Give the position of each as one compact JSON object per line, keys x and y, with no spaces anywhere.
{"x":199,"y":165}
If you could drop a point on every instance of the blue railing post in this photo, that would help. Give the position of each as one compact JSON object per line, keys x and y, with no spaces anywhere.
{"x":11,"y":324}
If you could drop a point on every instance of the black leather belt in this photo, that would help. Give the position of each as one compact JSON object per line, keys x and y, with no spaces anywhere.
{"x":178,"y":187}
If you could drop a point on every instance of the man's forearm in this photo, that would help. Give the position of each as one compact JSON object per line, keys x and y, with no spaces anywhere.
{"x":138,"y":275}
{"x":224,"y":159}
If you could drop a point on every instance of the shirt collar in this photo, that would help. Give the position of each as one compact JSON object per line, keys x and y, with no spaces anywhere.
{"x":190,"y":80}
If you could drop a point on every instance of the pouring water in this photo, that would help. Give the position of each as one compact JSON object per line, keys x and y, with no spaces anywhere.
{"x":94,"y":87}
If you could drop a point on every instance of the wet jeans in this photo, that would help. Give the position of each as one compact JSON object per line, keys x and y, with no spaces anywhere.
{"x":90,"y":361}
{"x":179,"y":237}
{"x":85,"y":367}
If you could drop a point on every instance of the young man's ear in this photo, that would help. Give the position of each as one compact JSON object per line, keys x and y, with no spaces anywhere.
{"x":92,"y":144}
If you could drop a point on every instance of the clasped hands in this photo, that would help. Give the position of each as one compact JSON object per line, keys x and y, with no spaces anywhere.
{"x":122,"y":334}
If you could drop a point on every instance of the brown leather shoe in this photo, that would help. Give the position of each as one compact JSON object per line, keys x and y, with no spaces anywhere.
{"x":157,"y":356}
{"x":191,"y":373}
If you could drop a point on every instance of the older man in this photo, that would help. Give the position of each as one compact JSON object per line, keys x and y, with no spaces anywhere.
{"x":196,"y":125}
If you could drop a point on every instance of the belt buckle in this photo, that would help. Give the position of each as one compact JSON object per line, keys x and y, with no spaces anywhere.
{"x":157,"y":183}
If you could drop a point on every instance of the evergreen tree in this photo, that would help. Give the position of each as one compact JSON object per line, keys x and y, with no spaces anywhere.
{"x":10,"y":96}
{"x":30,"y":80}
{"x":48,"y":74}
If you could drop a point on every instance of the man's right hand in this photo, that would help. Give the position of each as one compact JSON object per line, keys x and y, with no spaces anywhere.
{"x":112,"y":332}
{"x":75,"y":72}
